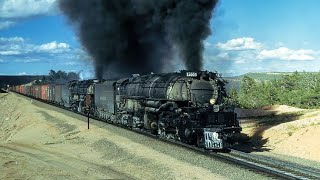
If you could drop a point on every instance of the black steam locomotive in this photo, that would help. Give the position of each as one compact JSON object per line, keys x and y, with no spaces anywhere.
{"x":185,"y":106}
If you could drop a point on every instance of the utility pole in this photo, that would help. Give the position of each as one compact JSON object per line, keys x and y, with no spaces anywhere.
{"x":88,"y":114}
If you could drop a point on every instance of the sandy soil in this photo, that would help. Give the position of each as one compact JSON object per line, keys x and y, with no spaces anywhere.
{"x":284,"y":130}
{"x":42,"y":143}
{"x":39,"y":143}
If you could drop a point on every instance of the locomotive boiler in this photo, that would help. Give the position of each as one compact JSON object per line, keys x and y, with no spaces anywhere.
{"x":185,"y":106}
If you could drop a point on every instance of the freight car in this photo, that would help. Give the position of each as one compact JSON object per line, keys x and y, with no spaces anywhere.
{"x":184,"y":106}
{"x":82,"y":94}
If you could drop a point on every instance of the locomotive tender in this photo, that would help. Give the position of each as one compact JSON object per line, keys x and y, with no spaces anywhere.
{"x":184,"y":106}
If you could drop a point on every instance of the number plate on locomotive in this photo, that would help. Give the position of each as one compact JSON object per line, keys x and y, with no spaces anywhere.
{"x":212,"y":140}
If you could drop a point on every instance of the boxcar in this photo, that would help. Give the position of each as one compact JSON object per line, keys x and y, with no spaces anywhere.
{"x":22,"y":89}
{"x":43,"y":89}
{"x":18,"y":89}
{"x":37,"y":91}
{"x":33,"y":93}
{"x":58,"y":94}
{"x":50,"y":92}
{"x":27,"y":90}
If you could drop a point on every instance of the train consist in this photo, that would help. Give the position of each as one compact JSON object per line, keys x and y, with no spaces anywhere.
{"x":184,"y":106}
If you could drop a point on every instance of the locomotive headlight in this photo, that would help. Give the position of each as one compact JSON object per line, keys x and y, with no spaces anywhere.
{"x":212,"y":101}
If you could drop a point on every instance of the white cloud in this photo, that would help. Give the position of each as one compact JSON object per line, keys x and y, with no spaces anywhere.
{"x":50,"y":55}
{"x":245,"y":49}
{"x":207,"y":44}
{"x":54,"y":47}
{"x":27,"y":60}
{"x":6,"y":24}
{"x":244,"y":55}
{"x":18,"y":46}
{"x":240,"y":61}
{"x":284,"y":53}
{"x":26,"y":8}
{"x":8,"y":53}
{"x":240,"y":44}
{"x":11,"y":40}
{"x":70,"y":63}
{"x":223,"y":55}
{"x":22,"y":73}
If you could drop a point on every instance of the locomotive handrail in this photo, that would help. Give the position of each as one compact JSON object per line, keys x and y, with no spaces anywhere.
{"x":129,"y":95}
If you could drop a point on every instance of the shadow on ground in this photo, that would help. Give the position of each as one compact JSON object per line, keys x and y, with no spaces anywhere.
{"x":256,"y":142}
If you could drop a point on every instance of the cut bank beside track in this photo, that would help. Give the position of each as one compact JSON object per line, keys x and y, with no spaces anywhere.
{"x":257,"y":163}
{"x":64,"y":134}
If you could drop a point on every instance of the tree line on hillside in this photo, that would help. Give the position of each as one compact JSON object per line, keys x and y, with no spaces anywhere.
{"x":297,"y":89}
{"x":58,"y":77}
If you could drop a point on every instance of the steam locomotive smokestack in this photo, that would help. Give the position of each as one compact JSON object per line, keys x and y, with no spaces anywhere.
{"x":138,"y":36}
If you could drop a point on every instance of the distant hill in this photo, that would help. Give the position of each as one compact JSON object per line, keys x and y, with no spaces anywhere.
{"x":264,"y":76}
{"x":16,"y":80}
{"x":234,"y":82}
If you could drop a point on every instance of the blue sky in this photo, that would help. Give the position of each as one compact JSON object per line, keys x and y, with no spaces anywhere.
{"x":247,"y":36}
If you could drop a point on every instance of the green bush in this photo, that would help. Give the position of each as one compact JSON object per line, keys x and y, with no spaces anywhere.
{"x":297,"y":89}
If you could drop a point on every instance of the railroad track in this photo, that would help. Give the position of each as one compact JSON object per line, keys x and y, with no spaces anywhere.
{"x":274,"y":166}
{"x":260,"y":164}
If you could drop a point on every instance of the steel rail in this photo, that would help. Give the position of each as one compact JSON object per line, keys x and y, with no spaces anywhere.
{"x":299,"y":170}
{"x":231,"y":158}
{"x":225,"y":157}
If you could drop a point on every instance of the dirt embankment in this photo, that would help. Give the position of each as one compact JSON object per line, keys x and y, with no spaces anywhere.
{"x":42,"y":143}
{"x":283,"y":130}
{"x":46,"y":144}
{"x":32,"y":145}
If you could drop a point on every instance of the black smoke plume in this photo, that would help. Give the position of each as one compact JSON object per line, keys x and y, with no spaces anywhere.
{"x":140,"y":36}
